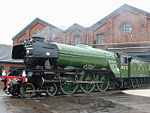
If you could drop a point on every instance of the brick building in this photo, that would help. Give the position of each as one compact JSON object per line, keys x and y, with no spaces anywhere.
{"x":127,"y":29}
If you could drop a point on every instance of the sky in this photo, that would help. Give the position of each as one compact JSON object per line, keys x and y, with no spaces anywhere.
{"x":17,"y":14}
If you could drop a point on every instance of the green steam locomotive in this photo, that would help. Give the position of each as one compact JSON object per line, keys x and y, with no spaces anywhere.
{"x":53,"y":67}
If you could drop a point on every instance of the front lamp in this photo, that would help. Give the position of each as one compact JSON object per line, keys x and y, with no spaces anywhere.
{"x":24,"y":73}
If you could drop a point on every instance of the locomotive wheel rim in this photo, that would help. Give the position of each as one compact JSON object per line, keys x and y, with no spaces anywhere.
{"x":131,"y":85}
{"x":104,"y":79}
{"x":86,"y":87}
{"x":27,"y":87}
{"x":13,"y":90}
{"x":68,"y":87}
{"x":52,"y":89}
{"x":137,"y":82}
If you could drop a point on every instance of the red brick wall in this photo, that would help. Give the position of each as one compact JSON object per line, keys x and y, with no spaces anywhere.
{"x":34,"y":28}
{"x":37,"y":27}
{"x":148,"y":29}
{"x":110,"y":27}
{"x":78,"y":31}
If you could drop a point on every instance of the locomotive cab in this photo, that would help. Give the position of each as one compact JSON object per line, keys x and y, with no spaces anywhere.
{"x":125,"y":65}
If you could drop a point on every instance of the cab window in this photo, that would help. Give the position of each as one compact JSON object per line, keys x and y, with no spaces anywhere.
{"x":124,"y":60}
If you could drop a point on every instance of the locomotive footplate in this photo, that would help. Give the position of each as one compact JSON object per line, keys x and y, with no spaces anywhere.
{"x":84,"y":82}
{"x":50,"y":81}
{"x":41,"y":91}
{"x":69,"y":71}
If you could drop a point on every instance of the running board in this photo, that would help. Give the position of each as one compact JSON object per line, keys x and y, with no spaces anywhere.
{"x":85,"y":82}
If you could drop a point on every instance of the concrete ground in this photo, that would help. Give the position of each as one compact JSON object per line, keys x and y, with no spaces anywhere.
{"x":127,"y":101}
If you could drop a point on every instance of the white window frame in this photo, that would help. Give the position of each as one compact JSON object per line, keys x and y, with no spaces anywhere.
{"x":76,"y":40}
{"x":126,"y":28}
{"x":100,"y":39}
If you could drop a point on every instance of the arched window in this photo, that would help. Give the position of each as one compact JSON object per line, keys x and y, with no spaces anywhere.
{"x":56,"y":40}
{"x":126,"y":28}
{"x":76,"y":40}
{"x":100,"y":39}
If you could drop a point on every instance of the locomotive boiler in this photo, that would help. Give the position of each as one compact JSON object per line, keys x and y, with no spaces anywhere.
{"x":54,"y":67}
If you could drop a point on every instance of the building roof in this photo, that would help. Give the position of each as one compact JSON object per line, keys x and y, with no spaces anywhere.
{"x":28,"y":26}
{"x":117,"y":10}
{"x":5,"y":55}
{"x":74,"y":25}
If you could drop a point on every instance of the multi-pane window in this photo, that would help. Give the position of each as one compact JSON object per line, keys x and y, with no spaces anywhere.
{"x":126,"y":28}
{"x":1,"y":70}
{"x":65,"y":39}
{"x":100,"y":39}
{"x":76,"y":40}
{"x":87,"y":40}
{"x":56,"y":40}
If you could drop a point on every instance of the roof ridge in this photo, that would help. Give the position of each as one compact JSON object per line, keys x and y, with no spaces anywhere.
{"x":75,"y":24}
{"x":37,"y":19}
{"x":118,"y":9}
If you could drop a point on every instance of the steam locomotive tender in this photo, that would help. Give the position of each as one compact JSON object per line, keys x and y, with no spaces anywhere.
{"x":53,"y":67}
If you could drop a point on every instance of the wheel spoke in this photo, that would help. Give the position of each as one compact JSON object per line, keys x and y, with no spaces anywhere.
{"x":104,"y":79}
{"x":27,"y":90}
{"x":52,"y":89}
{"x":69,"y":87}
{"x":87,"y":87}
{"x":14,"y":90}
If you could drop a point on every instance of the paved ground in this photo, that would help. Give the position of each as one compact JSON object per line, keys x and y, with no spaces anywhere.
{"x":136,"y":101}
